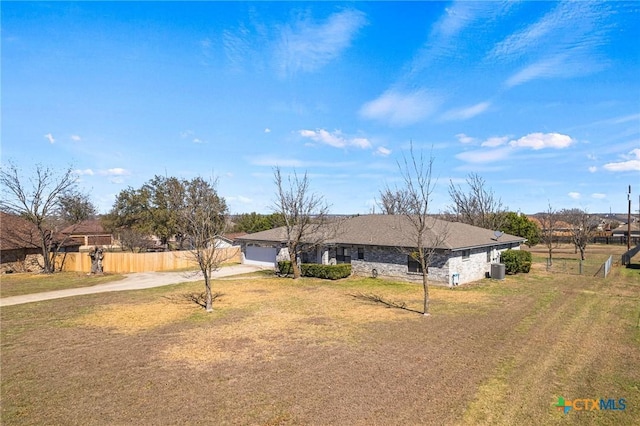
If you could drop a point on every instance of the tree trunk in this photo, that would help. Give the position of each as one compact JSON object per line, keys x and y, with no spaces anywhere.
{"x":208,"y":297}
{"x":294,"y":263}
{"x":46,"y":259}
{"x":425,"y":287}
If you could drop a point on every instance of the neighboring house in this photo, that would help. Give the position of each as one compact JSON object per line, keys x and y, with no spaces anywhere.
{"x":88,"y":234}
{"x":381,"y":245}
{"x":20,"y":247}
{"x":229,"y":240}
{"x":621,"y":231}
{"x":561,"y":228}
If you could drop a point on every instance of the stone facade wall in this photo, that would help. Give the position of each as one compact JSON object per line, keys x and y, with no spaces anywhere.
{"x":283,"y":255}
{"x":20,"y":261}
{"x":391,"y":262}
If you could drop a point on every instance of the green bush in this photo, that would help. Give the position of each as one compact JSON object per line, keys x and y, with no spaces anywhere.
{"x":285,"y":268}
{"x":525,"y":261}
{"x":327,"y":272}
{"x":516,"y":261}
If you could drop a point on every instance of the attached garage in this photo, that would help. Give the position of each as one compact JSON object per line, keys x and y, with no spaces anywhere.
{"x":259,"y":255}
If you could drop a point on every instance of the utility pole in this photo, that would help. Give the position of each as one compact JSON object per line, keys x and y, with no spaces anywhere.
{"x":629,"y":221}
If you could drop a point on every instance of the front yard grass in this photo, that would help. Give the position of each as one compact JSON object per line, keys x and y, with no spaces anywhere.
{"x":279,"y":351}
{"x":28,"y":283}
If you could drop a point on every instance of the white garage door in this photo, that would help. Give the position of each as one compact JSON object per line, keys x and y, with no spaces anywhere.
{"x":263,"y":256}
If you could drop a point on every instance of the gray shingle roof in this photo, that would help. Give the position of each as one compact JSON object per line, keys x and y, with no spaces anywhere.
{"x":397,"y":231}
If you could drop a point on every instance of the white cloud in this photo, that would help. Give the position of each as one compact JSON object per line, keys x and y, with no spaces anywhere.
{"x":50,"y":138}
{"x":306,"y":46}
{"x":464,"y":138}
{"x":565,"y":42}
{"x":276,"y":161}
{"x":117,"y":171}
{"x":455,"y":19}
{"x":538,"y":141}
{"x":459,"y":18}
{"x":574,"y":195}
{"x":190,"y":134}
{"x":593,"y":169}
{"x":631,"y":164}
{"x":466,"y":113}
{"x":361,"y":143}
{"x":88,"y":172}
{"x":76,"y":138}
{"x":267,"y":130}
{"x":116,"y":180}
{"x":546,"y":68}
{"x":335,"y":138}
{"x":484,"y":156}
{"x":382,"y":151}
{"x":499,"y":147}
{"x":495,"y":141}
{"x":400,"y":109}
{"x":279,"y":161}
{"x":598,"y":196}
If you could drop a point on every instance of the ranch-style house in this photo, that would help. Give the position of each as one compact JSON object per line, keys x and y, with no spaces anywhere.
{"x":382,"y":245}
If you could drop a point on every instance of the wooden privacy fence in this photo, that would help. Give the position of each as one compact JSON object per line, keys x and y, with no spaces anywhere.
{"x":626,"y":257}
{"x":124,"y":263}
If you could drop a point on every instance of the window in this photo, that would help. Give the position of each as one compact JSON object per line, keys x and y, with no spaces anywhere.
{"x":413,"y":265}
{"x":343,"y":255}
{"x":489,"y":256}
{"x":360,"y":253}
{"x":466,"y":254}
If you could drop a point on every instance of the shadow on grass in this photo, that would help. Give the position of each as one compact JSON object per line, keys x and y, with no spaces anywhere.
{"x":199,"y":299}
{"x":382,"y":301}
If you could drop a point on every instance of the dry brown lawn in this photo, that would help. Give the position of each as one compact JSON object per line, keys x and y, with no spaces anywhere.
{"x":279,"y":352}
{"x":28,"y":283}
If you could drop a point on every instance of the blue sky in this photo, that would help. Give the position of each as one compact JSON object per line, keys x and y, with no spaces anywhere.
{"x":542,"y":99}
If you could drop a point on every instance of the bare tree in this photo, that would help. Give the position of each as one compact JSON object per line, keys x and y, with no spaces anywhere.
{"x":583,"y":227}
{"x":134,"y":240}
{"x":50,"y":202}
{"x":305,"y":214}
{"x":392,"y":200}
{"x":549,"y":220}
{"x":203,"y":218}
{"x":413,"y":201}
{"x":479,"y":206}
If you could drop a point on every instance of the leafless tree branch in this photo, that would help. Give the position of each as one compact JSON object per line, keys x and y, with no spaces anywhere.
{"x":305,"y":215}
{"x":479,"y":206}
{"x":412,"y":200}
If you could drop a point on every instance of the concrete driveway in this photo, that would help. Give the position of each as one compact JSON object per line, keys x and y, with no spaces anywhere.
{"x":130,"y":282}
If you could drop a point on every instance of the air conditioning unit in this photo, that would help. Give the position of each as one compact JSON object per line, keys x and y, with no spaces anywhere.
{"x":498,"y":271}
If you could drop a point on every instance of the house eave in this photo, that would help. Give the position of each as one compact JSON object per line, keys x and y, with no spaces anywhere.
{"x":497,"y":243}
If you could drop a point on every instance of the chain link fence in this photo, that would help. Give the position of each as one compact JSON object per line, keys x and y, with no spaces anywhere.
{"x":578,"y":267}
